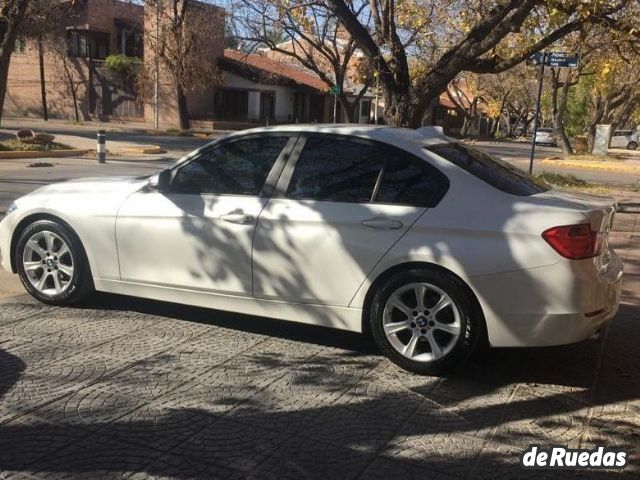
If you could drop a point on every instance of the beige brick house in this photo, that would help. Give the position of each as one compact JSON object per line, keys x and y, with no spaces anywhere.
{"x":94,"y":30}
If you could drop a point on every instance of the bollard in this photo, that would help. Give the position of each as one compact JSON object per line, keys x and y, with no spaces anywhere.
{"x":102,"y":149}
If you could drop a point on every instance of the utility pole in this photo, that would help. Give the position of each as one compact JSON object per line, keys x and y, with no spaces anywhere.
{"x":375,"y":111}
{"x":156,"y":86}
{"x":537,"y":116}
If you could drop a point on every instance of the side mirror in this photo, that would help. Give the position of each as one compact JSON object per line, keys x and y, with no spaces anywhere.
{"x":160,"y":181}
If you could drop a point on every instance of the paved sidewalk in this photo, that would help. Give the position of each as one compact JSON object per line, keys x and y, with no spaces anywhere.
{"x":125,"y":388}
{"x":118,"y":136}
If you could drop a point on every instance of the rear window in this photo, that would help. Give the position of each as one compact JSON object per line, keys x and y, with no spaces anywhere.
{"x":492,"y":170}
{"x":545,"y":130}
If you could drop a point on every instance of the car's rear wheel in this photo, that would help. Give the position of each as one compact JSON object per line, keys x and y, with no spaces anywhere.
{"x":425,"y":321}
{"x":632,"y":145}
{"x":52,"y":263}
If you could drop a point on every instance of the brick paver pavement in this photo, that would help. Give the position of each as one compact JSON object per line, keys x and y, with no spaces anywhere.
{"x":127,"y":388}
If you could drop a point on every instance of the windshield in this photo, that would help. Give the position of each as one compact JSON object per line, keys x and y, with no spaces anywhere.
{"x":492,"y":170}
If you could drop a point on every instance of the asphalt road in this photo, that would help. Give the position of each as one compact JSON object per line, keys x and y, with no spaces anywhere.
{"x":18,"y":178}
{"x":518,"y":154}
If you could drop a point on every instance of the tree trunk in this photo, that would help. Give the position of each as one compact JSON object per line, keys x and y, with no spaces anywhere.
{"x":495,"y":122}
{"x":43,"y":87}
{"x":559,"y":97}
{"x":13,"y":13}
{"x":75,"y":102}
{"x":183,"y":109}
{"x":350,"y":108}
{"x":72,"y":88}
{"x":399,"y":111}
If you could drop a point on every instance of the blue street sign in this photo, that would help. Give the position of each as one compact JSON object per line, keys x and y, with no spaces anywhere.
{"x":555,"y":59}
{"x":563,"y":59}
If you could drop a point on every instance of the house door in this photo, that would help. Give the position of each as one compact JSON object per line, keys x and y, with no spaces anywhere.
{"x":298,"y":107}
{"x":365,"y":111}
{"x":267,"y":106}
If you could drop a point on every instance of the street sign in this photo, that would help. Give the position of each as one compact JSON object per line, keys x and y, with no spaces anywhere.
{"x":535,"y":59}
{"x":562,"y":59}
{"x":554,"y":59}
{"x":547,"y":59}
{"x":335,"y":90}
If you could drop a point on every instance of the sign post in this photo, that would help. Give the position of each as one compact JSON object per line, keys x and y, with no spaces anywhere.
{"x":543,"y":60}
{"x":336,"y":91}
{"x":553,"y":60}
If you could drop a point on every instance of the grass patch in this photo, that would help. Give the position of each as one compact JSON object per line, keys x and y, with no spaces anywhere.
{"x":17,"y":146}
{"x":588,"y":157}
{"x":176,"y":132}
{"x":571,"y":182}
{"x":562,"y":180}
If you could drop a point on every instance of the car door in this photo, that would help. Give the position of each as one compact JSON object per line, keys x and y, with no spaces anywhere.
{"x":341,"y":203}
{"x":618,"y":140}
{"x":198,"y":233}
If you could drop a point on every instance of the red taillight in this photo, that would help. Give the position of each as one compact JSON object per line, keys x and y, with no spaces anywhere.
{"x":574,"y":241}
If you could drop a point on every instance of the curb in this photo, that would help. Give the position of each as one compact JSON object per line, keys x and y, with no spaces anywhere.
{"x":143,"y":149}
{"x":43,"y":154}
{"x":589,"y":165}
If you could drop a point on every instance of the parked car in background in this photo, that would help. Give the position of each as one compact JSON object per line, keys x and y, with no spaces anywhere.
{"x":625,"y":139}
{"x":432,"y":246}
{"x":545,"y":136}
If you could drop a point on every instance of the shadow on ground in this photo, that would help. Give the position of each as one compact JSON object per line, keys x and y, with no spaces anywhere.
{"x":191,"y":393}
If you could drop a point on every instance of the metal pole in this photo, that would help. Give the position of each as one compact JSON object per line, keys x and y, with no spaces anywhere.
{"x":375,"y":112}
{"x":537,"y":117}
{"x":102,"y":149}
{"x":335,"y":108}
{"x":156,"y":87}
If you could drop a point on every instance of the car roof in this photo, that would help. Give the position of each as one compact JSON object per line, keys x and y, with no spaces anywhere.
{"x":383,"y":133}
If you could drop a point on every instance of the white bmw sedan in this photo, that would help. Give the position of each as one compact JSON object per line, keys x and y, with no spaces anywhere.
{"x":432,"y":246}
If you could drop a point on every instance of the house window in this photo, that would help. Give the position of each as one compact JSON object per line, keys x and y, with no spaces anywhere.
{"x":78,"y":43}
{"x":99,"y":45}
{"x":231,"y":105}
{"x":129,"y":42}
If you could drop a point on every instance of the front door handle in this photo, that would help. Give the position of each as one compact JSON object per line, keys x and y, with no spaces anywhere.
{"x":382,"y":223}
{"x":241,"y":218}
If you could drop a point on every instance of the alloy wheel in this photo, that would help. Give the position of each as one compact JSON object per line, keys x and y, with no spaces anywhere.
{"x":422,"y":322}
{"x":48,"y":263}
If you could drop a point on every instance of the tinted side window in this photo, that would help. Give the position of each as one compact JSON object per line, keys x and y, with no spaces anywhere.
{"x":495,"y":172}
{"x":237,"y":168}
{"x":409,"y":181}
{"x":335,"y":170}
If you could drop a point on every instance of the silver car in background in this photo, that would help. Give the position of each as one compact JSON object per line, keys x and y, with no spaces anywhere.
{"x":545,"y":136}
{"x":625,"y":139}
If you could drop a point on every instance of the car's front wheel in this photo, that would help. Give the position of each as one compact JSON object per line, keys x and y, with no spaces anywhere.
{"x":52,"y":264}
{"x":632,"y":145}
{"x":425,"y":321}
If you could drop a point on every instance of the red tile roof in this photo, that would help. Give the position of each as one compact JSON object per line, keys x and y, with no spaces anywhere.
{"x":274,"y":67}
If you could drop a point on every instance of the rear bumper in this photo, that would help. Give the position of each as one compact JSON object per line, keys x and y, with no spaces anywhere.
{"x":556,"y":305}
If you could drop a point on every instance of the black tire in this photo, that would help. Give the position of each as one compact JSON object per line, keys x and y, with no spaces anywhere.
{"x":80,"y":284}
{"x":632,"y":146}
{"x":472,"y":326}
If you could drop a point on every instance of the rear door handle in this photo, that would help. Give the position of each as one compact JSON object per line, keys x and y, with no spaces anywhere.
{"x":241,"y":218}
{"x":382,"y":223}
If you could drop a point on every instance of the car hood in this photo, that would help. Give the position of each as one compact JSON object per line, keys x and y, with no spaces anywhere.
{"x":87,"y":195}
{"x":94,"y":185}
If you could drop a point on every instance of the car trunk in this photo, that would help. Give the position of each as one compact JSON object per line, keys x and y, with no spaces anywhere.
{"x":599,"y":212}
